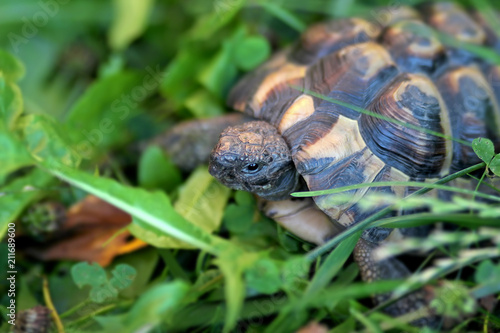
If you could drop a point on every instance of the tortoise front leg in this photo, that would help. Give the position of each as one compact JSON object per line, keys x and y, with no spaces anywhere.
{"x":302,"y":218}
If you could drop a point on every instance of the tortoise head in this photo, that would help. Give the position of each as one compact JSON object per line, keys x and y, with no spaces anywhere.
{"x":255,"y":158}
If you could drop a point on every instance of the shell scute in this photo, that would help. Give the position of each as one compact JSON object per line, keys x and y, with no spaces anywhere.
{"x":325,"y":38}
{"x":414,"y":46}
{"x":475,"y":111}
{"x":354,"y":75}
{"x":410,"y":99}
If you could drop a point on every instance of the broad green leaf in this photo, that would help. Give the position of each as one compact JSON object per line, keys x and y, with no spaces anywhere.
{"x":47,"y":140}
{"x":243,"y":198}
{"x":294,"y":272}
{"x":129,"y":22}
{"x":202,"y":200}
{"x":84,"y":273}
{"x":10,"y":67}
{"x":207,"y":25}
{"x":153,"y":208}
{"x":98,"y":117}
{"x":13,"y":154}
{"x":264,"y":276}
{"x":182,"y":69}
{"x":202,"y":104}
{"x":156,"y":170}
{"x":20,"y":193}
{"x":11,"y":102}
{"x":220,"y":72}
{"x":251,"y":51}
{"x":494,"y":165}
{"x":238,"y":218}
{"x":157,"y":305}
{"x":484,"y":149}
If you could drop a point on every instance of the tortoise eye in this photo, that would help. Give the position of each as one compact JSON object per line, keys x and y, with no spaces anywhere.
{"x":251,"y":168}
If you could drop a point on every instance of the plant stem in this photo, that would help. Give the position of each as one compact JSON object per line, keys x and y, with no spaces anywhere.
{"x":74,"y":309}
{"x":101,"y":310}
{"x":50,"y":305}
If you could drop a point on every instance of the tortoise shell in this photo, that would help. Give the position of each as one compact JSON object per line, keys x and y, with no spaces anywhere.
{"x":396,"y":68}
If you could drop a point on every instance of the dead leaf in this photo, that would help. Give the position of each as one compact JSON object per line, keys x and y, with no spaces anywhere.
{"x":93,"y":230}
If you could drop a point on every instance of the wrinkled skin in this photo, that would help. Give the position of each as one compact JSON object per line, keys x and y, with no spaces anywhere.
{"x":254,"y":157}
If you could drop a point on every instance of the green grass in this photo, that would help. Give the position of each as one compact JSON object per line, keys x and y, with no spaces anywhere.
{"x":85,"y":83}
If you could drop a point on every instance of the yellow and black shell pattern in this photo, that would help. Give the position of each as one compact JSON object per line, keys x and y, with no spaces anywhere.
{"x":398,"y":68}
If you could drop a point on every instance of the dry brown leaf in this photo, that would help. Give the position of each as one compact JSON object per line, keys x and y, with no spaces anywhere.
{"x":94,"y":232}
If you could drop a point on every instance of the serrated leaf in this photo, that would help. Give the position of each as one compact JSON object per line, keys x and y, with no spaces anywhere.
{"x":484,"y":149}
{"x":129,"y":21}
{"x":84,"y":273}
{"x":264,"y":276}
{"x":10,"y":67}
{"x":123,"y":276}
{"x":251,"y":52}
{"x":494,"y":165}
{"x":156,"y":170}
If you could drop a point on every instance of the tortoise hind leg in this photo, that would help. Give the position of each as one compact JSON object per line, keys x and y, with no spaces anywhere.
{"x":391,"y":269}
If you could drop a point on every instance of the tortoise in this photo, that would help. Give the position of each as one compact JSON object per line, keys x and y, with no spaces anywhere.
{"x":301,"y":138}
